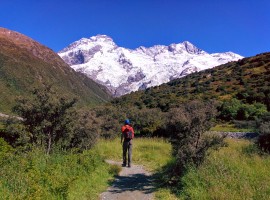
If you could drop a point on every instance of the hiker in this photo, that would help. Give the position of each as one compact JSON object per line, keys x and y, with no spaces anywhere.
{"x":127,"y":135}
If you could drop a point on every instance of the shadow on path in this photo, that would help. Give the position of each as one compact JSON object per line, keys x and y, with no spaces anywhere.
{"x":131,"y":183}
{"x":140,"y":182}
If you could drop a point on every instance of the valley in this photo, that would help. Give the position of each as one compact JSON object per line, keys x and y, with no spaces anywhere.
{"x":68,"y":125}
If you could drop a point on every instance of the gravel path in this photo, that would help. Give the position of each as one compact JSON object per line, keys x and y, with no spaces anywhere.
{"x":131,"y":183}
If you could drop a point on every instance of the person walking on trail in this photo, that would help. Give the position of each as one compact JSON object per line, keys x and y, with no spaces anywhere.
{"x":127,"y":135}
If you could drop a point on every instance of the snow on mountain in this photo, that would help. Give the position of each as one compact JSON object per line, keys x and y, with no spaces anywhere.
{"x":125,"y":70}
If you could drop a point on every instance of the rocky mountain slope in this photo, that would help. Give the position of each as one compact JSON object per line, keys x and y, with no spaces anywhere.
{"x":26,"y":64}
{"x":247,"y":80}
{"x":124,"y":70}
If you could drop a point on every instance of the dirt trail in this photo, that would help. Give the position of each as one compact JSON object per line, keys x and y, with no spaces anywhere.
{"x":8,"y":116}
{"x":133,"y":183}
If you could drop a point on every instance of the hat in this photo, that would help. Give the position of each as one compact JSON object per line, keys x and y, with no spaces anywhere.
{"x":127,"y":121}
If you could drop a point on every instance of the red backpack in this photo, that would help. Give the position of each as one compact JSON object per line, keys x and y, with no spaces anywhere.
{"x":128,"y":134}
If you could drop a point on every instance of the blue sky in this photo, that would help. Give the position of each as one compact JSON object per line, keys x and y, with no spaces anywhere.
{"x":241,"y":26}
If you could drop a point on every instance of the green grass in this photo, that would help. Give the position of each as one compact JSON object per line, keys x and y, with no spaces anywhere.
{"x":229,"y":128}
{"x":234,"y":172}
{"x":153,"y":153}
{"x":33,"y":175}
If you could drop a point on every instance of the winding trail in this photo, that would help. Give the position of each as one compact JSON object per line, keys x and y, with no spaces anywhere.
{"x":133,"y":183}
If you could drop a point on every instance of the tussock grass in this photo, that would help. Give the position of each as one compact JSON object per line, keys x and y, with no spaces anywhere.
{"x":153,"y":153}
{"x":226,"y":127}
{"x":234,"y":172}
{"x":237,"y":171}
{"x":64,"y":175}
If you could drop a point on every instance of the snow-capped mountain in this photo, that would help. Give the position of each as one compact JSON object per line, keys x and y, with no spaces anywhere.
{"x":124,"y":70}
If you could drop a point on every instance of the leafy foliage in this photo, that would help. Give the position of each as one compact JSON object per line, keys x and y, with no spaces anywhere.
{"x":21,"y":70}
{"x":49,"y":120}
{"x":236,"y":171}
{"x":86,"y":131}
{"x":234,"y":109}
{"x":264,"y":130}
{"x":61,"y":175}
{"x":247,"y":80}
{"x":187,"y":126}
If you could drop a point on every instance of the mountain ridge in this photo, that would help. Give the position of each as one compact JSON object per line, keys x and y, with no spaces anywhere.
{"x":25,"y":64}
{"x":124,"y":70}
{"x":247,"y":80}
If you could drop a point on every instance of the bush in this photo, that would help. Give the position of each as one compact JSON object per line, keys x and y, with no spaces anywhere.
{"x":109,"y":120}
{"x":235,"y":109}
{"x":187,"y":126}
{"x":86,"y":131}
{"x":263,"y":141}
{"x":49,"y":121}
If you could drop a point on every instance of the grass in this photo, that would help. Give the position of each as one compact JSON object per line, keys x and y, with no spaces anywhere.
{"x":153,"y":153}
{"x":66,"y":175}
{"x":234,"y":172}
{"x":62,"y":175}
{"x":230,"y":128}
{"x":237,"y":171}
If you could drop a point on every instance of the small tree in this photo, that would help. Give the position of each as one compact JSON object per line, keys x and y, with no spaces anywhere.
{"x":47,"y":118}
{"x":187,"y":126}
{"x":86,"y":130}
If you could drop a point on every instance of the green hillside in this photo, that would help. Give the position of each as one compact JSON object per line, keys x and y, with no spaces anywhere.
{"x":26,"y":64}
{"x":247,"y":80}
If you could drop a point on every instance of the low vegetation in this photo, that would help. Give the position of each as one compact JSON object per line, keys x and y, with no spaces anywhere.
{"x":49,"y":121}
{"x":187,"y":127}
{"x":26,"y":64}
{"x":234,"y":172}
{"x":60,"y":175}
{"x":52,"y":151}
{"x":67,"y":175}
{"x":263,"y":141}
{"x":247,"y":80}
{"x":153,"y":153}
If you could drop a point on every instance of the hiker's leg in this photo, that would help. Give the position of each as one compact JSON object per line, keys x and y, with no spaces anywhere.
{"x":125,"y":147}
{"x":129,"y":154}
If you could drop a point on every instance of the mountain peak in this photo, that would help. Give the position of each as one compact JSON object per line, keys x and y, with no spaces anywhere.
{"x":101,"y":38}
{"x":190,"y":48}
{"x":31,"y":46}
{"x":185,"y":46}
{"x":123,"y":70}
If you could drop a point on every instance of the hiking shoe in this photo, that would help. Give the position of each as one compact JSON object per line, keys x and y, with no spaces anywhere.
{"x":123,"y":165}
{"x":129,"y":166}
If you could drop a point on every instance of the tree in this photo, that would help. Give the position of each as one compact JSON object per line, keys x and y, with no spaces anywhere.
{"x":229,"y":109}
{"x":47,"y":118}
{"x":110,"y":118}
{"x":235,"y":109}
{"x":187,"y":126}
{"x":86,"y":130}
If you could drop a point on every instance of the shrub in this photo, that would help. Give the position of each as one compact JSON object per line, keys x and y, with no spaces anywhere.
{"x":235,"y":109}
{"x":263,"y":141}
{"x":49,"y":121}
{"x":86,"y":131}
{"x":109,"y":120}
{"x":187,"y":126}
